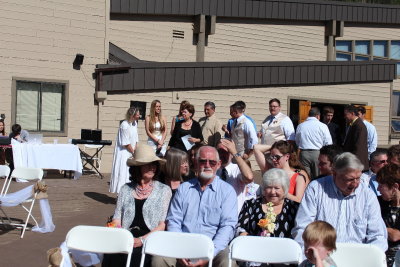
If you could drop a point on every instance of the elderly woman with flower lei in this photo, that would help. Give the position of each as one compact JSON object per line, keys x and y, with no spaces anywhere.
{"x":271,"y":214}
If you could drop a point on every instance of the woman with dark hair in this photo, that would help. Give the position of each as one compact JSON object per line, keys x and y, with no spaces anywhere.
{"x":142,"y":204}
{"x":125,"y":146}
{"x":279,"y":157}
{"x":2,"y":150}
{"x":176,"y":167}
{"x":2,"y":128}
{"x":179,"y":117}
{"x":187,"y":127}
{"x":156,"y":127}
{"x":389,"y":186}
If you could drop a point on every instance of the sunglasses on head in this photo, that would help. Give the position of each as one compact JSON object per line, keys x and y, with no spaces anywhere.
{"x":276,"y":157}
{"x":212,"y":163}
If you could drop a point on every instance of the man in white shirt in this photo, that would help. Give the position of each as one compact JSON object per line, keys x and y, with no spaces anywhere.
{"x":277,"y":126}
{"x":238,"y":174}
{"x":372,"y":134}
{"x":311,"y":135}
{"x":243,"y":133}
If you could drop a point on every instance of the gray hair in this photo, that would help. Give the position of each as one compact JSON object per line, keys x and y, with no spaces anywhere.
{"x":131,"y":111}
{"x":347,"y":161}
{"x":210,"y":104}
{"x":175,"y":157}
{"x":209,"y":147}
{"x":276,"y":176}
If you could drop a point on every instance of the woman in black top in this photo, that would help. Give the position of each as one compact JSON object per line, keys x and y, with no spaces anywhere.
{"x":389,"y":184}
{"x":275,"y":186}
{"x":186,"y":127}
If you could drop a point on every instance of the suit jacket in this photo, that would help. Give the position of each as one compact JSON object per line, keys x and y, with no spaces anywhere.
{"x":356,"y":142}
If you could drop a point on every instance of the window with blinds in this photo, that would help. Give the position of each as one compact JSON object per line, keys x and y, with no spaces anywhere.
{"x":40,"y":106}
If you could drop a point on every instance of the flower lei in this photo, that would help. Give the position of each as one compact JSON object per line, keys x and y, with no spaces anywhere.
{"x":267,"y":224}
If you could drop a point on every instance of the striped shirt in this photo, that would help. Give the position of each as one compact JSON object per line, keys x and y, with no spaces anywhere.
{"x":356,"y":218}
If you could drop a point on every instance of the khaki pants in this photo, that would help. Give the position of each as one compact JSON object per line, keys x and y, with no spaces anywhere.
{"x":220,"y":260}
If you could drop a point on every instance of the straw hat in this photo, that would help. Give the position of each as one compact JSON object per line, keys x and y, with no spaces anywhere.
{"x":144,"y":154}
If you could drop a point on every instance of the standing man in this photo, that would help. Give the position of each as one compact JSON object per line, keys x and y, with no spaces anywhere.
{"x":204,"y":205}
{"x":311,"y":135}
{"x":211,"y":127}
{"x":372,"y":135}
{"x":334,"y":129}
{"x":356,"y":137}
{"x":348,"y":205}
{"x":243,"y":133}
{"x":228,"y":127}
{"x":277,"y":126}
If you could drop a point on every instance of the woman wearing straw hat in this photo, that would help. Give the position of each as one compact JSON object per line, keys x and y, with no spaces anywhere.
{"x":142,"y":204}
{"x":125,"y":146}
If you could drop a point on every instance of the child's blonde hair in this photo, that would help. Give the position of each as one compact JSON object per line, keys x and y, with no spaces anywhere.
{"x":320,"y":231}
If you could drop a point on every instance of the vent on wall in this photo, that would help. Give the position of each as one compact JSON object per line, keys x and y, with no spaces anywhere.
{"x":178,"y":34}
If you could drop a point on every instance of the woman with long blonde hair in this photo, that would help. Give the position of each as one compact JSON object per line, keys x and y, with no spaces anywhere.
{"x":156,"y":127}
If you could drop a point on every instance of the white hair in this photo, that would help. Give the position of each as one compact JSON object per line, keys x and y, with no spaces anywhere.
{"x":276,"y":176}
{"x":347,"y":161}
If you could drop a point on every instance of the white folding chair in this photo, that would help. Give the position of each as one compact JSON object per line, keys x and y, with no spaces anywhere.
{"x":179,"y":246}
{"x":99,"y":239}
{"x":31,"y":175}
{"x":265,"y":250}
{"x":4,"y":173}
{"x":353,"y":255}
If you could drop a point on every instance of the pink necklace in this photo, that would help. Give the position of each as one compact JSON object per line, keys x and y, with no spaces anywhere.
{"x":145,"y":191}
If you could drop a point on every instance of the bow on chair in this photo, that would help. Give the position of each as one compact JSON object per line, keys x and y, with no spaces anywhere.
{"x":41,"y":189}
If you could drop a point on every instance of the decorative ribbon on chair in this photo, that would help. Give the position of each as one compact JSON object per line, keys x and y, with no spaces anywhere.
{"x":17,"y":198}
{"x":81,"y":257}
{"x":40,"y":188}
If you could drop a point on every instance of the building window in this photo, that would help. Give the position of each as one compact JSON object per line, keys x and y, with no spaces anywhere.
{"x":395,"y":112}
{"x":40,"y":106}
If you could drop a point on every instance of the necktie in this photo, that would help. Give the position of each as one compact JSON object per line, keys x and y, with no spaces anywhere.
{"x":234,"y":123}
{"x":224,"y":174}
{"x":271,"y":119}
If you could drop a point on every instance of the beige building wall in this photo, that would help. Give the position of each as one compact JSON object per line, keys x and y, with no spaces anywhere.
{"x":39,"y":40}
{"x":153,"y":40}
{"x":256,"y":99}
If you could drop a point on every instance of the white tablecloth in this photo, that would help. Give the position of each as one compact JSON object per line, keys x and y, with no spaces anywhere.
{"x":48,"y":156}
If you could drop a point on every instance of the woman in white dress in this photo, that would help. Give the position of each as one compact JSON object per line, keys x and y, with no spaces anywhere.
{"x":156,"y":128}
{"x":125,"y":146}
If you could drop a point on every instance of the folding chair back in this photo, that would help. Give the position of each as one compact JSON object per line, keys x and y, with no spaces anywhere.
{"x":27,"y":173}
{"x":178,"y":245}
{"x":4,"y":172}
{"x":265,"y":250}
{"x":366,"y":255}
{"x":99,"y":239}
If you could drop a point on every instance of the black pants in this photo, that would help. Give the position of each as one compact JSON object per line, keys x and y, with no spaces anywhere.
{"x":119,"y":260}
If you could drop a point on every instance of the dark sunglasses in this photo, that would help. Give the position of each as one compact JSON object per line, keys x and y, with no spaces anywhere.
{"x":276,"y":157}
{"x":212,"y":163}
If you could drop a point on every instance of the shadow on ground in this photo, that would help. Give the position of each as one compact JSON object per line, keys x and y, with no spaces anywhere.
{"x":103,"y":198}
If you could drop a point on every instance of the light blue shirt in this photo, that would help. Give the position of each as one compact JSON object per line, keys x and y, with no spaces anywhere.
{"x":212,"y":212}
{"x":232,"y":120}
{"x":372,"y":137}
{"x":313,"y":134}
{"x":356,"y":218}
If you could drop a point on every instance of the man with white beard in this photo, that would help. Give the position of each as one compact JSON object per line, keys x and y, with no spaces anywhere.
{"x":204,"y":205}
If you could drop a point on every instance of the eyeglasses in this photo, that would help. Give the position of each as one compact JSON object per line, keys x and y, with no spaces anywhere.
{"x":276,"y":157}
{"x":380,"y":161}
{"x":212,"y":163}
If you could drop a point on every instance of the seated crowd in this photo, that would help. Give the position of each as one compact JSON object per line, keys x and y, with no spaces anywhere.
{"x":316,"y":192}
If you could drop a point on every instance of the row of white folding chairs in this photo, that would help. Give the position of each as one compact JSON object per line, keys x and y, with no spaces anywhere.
{"x":28,"y":174}
{"x":196,"y":246}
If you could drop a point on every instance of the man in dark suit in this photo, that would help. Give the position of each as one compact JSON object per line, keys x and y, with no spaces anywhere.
{"x":356,"y":137}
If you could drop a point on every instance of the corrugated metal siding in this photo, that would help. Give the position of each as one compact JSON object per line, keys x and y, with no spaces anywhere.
{"x":306,"y":10}
{"x":175,"y":75}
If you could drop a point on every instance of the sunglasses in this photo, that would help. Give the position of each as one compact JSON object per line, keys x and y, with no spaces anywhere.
{"x":276,"y":157}
{"x":212,"y":163}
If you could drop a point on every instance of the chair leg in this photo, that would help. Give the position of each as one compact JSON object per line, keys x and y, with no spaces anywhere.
{"x":29,"y":215}
{"x":141,"y":260}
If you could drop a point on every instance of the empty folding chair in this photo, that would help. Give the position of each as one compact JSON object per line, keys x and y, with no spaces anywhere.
{"x":179,"y":246}
{"x":31,"y":175}
{"x":265,"y":250}
{"x":4,"y":173}
{"x":98,"y":239}
{"x":353,"y":255}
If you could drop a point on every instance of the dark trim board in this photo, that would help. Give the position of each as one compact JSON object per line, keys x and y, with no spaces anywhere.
{"x":293,"y":10}
{"x":156,"y":76}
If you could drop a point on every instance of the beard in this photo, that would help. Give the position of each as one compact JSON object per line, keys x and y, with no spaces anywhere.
{"x":206,"y":175}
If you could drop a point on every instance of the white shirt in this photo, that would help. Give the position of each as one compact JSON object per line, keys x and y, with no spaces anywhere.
{"x":249,"y":131}
{"x":313,"y":134}
{"x":286,"y":126}
{"x":235,"y":179}
{"x":372,"y":137}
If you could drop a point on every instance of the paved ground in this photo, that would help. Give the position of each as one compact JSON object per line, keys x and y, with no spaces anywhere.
{"x":73,"y":202}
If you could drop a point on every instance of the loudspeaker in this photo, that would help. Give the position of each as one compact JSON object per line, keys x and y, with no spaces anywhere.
{"x":78,"y":61}
{"x":86,"y":134}
{"x":96,"y":135}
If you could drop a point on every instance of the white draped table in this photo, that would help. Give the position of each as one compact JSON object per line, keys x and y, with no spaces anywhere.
{"x":48,"y":156}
